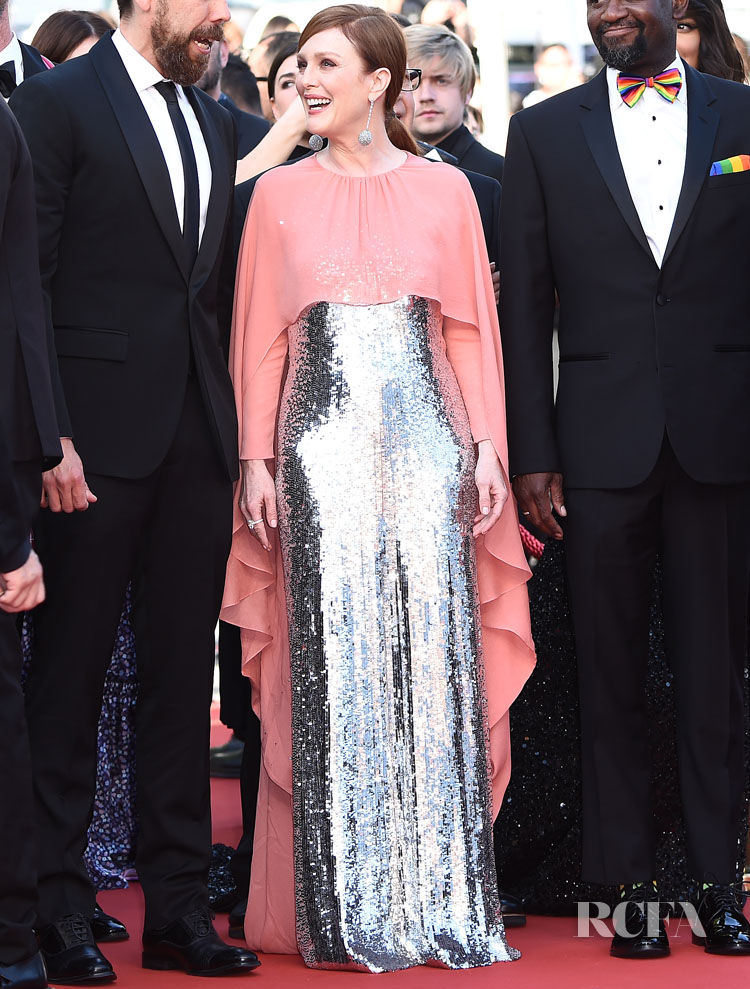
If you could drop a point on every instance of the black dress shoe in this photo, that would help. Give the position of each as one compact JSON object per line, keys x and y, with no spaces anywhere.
{"x":28,"y":974}
{"x":513,"y":911}
{"x":107,"y":928}
{"x":192,"y":944}
{"x":727,"y":931}
{"x":71,"y":955}
{"x":634,"y":936}
{"x":225,"y":761}
{"x":237,"y":920}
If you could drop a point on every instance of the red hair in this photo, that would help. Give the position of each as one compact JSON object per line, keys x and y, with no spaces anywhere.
{"x":380,"y":44}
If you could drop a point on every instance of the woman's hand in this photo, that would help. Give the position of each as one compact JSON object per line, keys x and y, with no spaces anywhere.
{"x":493,"y":491}
{"x":258,"y":500}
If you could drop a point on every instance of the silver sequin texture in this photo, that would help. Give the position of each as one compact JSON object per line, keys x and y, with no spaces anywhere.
{"x":393,"y":837}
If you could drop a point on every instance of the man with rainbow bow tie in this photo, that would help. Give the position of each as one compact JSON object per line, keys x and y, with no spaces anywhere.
{"x":629,"y":199}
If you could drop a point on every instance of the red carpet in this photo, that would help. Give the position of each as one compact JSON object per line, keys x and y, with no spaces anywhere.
{"x":552,"y":954}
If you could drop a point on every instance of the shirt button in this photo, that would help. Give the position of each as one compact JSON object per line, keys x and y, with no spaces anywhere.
{"x":661,"y":207}
{"x":661,"y":300}
{"x":659,"y":162}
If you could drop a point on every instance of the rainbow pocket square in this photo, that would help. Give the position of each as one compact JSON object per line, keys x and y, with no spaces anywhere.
{"x":739,"y":163}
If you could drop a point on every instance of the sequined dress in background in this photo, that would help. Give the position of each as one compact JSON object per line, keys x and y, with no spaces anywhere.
{"x":365,"y":620}
{"x":110,"y":852}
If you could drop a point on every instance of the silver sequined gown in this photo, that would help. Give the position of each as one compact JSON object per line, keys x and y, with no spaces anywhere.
{"x":393,"y":835}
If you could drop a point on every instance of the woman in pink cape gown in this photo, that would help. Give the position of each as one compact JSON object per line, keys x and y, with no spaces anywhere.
{"x":386,"y":670}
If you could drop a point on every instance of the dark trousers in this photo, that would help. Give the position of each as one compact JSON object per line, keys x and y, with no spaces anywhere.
{"x":612,"y":537}
{"x":170,"y":534}
{"x":18,"y":896}
{"x":234,"y":688}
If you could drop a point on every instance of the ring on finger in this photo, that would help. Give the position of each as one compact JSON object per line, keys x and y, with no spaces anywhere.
{"x":251,"y":523}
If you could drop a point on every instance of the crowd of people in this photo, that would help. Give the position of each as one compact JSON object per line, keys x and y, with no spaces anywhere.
{"x":276,"y":345}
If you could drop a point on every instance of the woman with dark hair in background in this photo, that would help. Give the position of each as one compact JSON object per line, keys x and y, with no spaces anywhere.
{"x":375,"y":807}
{"x":705,"y":41}
{"x":70,"y":33}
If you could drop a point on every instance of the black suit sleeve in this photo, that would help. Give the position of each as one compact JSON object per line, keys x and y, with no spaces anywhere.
{"x":14,"y":527}
{"x":45,"y":125}
{"x":527,"y":304}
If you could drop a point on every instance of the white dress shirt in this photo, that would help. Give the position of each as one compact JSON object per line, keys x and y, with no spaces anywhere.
{"x":12,"y":53}
{"x":652,"y":140}
{"x":144,"y":77}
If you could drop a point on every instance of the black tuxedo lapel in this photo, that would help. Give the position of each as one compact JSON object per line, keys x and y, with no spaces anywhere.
{"x":600,"y":136}
{"x":142,"y":142}
{"x":221,"y":193}
{"x":703,"y":122}
{"x":32,"y":61}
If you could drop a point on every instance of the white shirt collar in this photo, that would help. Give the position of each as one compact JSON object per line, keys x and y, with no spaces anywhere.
{"x":142,"y":73}
{"x":12,"y":53}
{"x":616,"y":101}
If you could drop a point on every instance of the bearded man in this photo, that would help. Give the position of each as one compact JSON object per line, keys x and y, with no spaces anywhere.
{"x":629,"y":198}
{"x":134,"y":172}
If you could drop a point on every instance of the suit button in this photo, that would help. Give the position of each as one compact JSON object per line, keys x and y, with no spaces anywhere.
{"x":661,"y":299}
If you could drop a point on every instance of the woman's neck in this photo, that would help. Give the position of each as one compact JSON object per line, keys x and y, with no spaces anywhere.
{"x":352,"y":158}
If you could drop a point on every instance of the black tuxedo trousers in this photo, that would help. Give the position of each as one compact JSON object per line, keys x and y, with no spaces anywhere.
{"x":612,"y":537}
{"x":170,"y":533}
{"x":18,"y":895}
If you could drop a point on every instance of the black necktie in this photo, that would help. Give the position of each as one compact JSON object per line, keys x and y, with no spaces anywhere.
{"x":7,"y":79}
{"x":191,"y":216}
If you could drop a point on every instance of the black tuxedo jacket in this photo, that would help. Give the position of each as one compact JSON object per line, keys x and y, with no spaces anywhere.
{"x":28,"y":428}
{"x":33,"y":62}
{"x":126,"y":309}
{"x":250,"y":129}
{"x":642,"y":349}
{"x":472,"y":155}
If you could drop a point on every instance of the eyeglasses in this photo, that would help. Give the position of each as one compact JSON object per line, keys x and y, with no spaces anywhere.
{"x":412,"y":80}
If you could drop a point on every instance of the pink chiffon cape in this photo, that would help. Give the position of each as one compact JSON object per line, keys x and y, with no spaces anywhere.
{"x":312,"y":235}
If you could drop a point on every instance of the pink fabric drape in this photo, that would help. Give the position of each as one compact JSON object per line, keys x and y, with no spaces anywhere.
{"x":310,"y":236}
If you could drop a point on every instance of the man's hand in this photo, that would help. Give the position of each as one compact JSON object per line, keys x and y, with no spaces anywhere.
{"x":22,"y":589}
{"x":537,"y":496}
{"x":64,"y":487}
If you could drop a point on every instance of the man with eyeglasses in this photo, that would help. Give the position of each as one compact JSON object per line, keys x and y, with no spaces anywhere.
{"x":447,"y":82}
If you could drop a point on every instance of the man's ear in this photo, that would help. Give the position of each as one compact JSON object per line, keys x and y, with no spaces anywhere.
{"x":223,"y":54}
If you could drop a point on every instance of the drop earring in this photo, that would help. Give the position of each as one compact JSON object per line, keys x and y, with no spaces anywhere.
{"x":316,"y":142}
{"x":365,"y":136}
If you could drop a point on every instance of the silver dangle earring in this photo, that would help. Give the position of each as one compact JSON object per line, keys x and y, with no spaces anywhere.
{"x":365,"y":136}
{"x":316,"y":142}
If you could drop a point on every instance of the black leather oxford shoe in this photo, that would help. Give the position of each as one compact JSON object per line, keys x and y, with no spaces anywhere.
{"x":107,"y":928}
{"x":28,"y":974}
{"x":513,"y":911}
{"x":192,"y":944}
{"x":226,"y":760}
{"x":639,"y":928}
{"x":726,"y":929}
{"x":71,"y":955}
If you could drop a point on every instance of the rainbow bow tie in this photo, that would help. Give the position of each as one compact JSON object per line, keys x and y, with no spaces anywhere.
{"x":667,"y":85}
